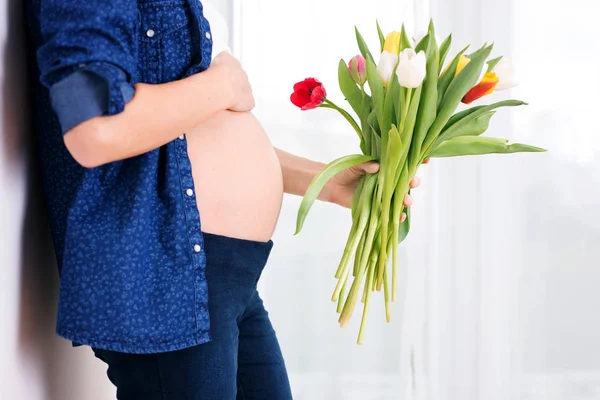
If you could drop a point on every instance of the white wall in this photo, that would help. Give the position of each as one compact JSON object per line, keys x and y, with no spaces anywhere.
{"x":35,"y":364}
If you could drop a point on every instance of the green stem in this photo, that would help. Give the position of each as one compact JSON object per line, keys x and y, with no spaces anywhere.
{"x":350,"y":303}
{"x":406,"y":105}
{"x":358,"y":255}
{"x":395,"y":238}
{"x":370,"y":277}
{"x":340,"y":302}
{"x":330,"y":104}
{"x":346,"y":253}
{"x":386,"y":290}
{"x":400,"y":191}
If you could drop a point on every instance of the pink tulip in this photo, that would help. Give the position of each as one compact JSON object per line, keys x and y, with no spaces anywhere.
{"x":358,"y":69}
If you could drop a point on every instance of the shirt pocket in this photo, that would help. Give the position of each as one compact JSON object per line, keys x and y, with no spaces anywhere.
{"x":167,"y":40}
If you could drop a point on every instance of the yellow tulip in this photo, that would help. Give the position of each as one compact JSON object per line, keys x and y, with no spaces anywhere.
{"x":392,"y":43}
{"x":462,"y":63}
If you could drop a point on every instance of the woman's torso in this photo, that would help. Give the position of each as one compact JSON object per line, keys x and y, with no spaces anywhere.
{"x":236,"y":171}
{"x":237,"y":176}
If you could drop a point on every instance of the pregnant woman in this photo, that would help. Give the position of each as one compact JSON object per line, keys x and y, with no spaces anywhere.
{"x":163,"y":193}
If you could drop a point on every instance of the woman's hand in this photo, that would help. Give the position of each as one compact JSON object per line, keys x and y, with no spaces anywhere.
{"x":340,"y":189}
{"x":236,"y":80}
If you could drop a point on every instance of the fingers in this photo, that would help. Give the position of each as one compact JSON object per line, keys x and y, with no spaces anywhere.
{"x":370,"y":167}
{"x":403,"y":218}
{"x":427,"y":161}
{"x":415,"y":182}
{"x":408,"y":200}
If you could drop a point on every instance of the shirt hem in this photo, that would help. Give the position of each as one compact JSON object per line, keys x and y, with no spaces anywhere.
{"x":200,"y":338}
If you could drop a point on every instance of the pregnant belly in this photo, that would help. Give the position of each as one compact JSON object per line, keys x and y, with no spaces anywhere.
{"x":239,"y":186}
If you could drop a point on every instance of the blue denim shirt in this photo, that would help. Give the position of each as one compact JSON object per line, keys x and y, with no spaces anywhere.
{"x":127,"y":235}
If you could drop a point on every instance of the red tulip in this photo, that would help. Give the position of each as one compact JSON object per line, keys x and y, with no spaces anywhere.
{"x":308,"y":94}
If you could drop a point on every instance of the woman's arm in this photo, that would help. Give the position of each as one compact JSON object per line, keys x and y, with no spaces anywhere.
{"x":88,"y":57}
{"x":299,"y":172}
{"x":160,"y":113}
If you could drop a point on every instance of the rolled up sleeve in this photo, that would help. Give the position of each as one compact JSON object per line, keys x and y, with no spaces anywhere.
{"x":88,"y":57}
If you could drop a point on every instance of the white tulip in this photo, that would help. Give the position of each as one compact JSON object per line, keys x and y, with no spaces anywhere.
{"x":412,"y":68}
{"x":505,"y":72}
{"x":387,"y":63}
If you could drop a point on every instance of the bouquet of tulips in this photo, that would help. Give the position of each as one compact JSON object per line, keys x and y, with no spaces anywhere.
{"x":404,"y":110}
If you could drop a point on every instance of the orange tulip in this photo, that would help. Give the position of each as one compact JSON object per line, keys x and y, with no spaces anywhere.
{"x":485,"y":87}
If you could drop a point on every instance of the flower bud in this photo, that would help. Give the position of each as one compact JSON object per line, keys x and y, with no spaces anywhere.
{"x":358,"y":69}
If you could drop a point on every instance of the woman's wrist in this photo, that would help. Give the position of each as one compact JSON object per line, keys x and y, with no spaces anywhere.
{"x":298,"y":173}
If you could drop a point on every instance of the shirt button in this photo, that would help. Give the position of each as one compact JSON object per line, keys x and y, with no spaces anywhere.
{"x":189,"y":192}
{"x":150,"y":33}
{"x":207,"y":34}
{"x":181,"y":137}
{"x":197,"y":248}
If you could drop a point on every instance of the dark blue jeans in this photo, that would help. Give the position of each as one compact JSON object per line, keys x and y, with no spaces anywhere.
{"x":243,"y":361}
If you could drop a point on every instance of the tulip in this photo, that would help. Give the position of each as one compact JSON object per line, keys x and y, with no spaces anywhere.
{"x":505,"y":72}
{"x":483,"y":88}
{"x":392,"y":43}
{"x":358,"y":69}
{"x":412,"y":68}
{"x":387,"y":63}
{"x":501,"y":77}
{"x":308,"y":94}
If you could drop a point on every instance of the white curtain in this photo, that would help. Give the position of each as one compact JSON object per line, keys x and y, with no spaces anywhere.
{"x":499,"y":297}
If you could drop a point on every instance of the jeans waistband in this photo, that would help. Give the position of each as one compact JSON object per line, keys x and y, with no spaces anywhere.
{"x":233,"y":251}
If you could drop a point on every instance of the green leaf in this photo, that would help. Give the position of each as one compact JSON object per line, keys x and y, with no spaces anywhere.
{"x":448,"y":76}
{"x":427,"y":109}
{"x":464,"y":81}
{"x":366,"y":108}
{"x":444,"y":49}
{"x":492,"y":63}
{"x":464,"y":118}
{"x":357,"y":193}
{"x":349,"y":88}
{"x":330,"y":170}
{"x":476,"y":145}
{"x":422,"y":45}
{"x":376,"y":143}
{"x":393,"y":150}
{"x":389,"y":114}
{"x":373,"y":123}
{"x":404,"y":228}
{"x":431,"y":32}
{"x":477,"y":51}
{"x":381,"y":36}
{"x":404,"y":39}
{"x":474,"y":127}
{"x":460,"y":115}
{"x":411,"y":117}
{"x":364,"y":49}
{"x":376,"y":86}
